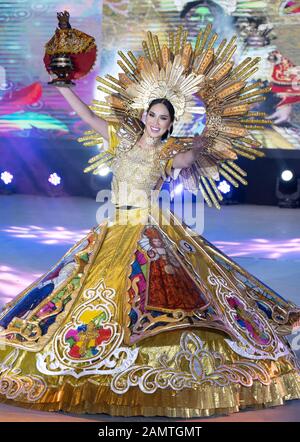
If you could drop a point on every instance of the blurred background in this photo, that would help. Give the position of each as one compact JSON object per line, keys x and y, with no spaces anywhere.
{"x":39,"y":152}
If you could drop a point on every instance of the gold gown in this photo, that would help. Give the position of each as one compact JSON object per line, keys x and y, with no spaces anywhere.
{"x":143,"y":317}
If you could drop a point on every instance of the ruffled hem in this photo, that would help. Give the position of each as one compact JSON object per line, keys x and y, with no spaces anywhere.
{"x":201,"y":402}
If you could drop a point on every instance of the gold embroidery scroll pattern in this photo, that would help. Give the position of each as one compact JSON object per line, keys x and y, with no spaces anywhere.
{"x":193,"y":366}
{"x":244,"y":343}
{"x":14,"y":385}
{"x":108,"y":357}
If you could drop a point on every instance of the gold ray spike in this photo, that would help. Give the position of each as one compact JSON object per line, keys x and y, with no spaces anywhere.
{"x":210,"y":193}
{"x":91,"y":137}
{"x":131,"y":69}
{"x":250,"y":141}
{"x":90,"y":132}
{"x":228,"y":177}
{"x":126,"y":61}
{"x":230,"y":54}
{"x":100,"y":109}
{"x":125,"y":68}
{"x":171,"y":41}
{"x":261,"y":91}
{"x":158,"y":51}
{"x":256,"y":114}
{"x":233,"y":131}
{"x":254,"y":121}
{"x":252,"y":100}
{"x":151,"y":45}
{"x":178,"y":40}
{"x":242,"y":153}
{"x":251,"y":150}
{"x":240,"y":66}
{"x":101,"y":155}
{"x":96,"y":140}
{"x":215,"y":188}
{"x":206,"y":33}
{"x":236,"y":110}
{"x":100,"y":103}
{"x":226,"y":50}
{"x":112,"y":79}
{"x":197,"y":44}
{"x":234,"y":173}
{"x":205,"y":196}
{"x":165,"y":53}
{"x":90,"y":143}
{"x":132,"y":58}
{"x":220,"y":47}
{"x":251,"y":86}
{"x":206,"y":61}
{"x":212,"y":41}
{"x":115,"y":102}
{"x":103,"y":89}
{"x":253,"y":127}
{"x":93,"y":166}
{"x":186,"y":55}
{"x":247,"y":68}
{"x":237,"y":168}
{"x":146,"y":50}
{"x":184,"y":40}
{"x":221,"y":71}
{"x":230,"y":89}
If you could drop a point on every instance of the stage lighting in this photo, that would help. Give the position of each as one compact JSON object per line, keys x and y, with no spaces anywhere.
{"x":227,"y":191}
{"x":178,"y":189}
{"x":54,"y":179}
{"x":7,"y":187}
{"x":287,"y":175}
{"x":6,"y":177}
{"x":288,"y":190}
{"x":224,"y":187}
{"x":104,"y":171}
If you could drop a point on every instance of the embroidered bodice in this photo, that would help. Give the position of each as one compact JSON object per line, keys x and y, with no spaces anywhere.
{"x":136,"y":173}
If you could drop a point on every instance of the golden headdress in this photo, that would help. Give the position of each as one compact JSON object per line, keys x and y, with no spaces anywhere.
{"x":181,"y":73}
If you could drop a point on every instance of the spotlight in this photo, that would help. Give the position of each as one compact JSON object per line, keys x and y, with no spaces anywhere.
{"x":178,"y":189}
{"x":228,"y":193}
{"x":54,"y":179}
{"x":224,"y":187}
{"x":6,"y":177}
{"x":287,"y":175}
{"x":6,"y":186}
{"x":288,"y":190}
{"x":103,"y":171}
{"x":55,"y":185}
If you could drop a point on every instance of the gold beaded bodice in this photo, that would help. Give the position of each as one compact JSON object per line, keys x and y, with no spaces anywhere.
{"x":136,"y":172}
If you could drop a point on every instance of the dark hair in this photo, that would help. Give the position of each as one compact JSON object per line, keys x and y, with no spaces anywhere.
{"x":171,"y":110}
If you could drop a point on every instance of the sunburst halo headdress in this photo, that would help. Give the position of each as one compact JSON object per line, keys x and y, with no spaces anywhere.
{"x":179,"y":72}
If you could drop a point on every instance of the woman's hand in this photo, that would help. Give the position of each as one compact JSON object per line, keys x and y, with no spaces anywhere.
{"x":282,"y":114}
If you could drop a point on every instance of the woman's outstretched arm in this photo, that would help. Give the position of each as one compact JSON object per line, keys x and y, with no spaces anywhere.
{"x":186,"y":159}
{"x":84,"y":112}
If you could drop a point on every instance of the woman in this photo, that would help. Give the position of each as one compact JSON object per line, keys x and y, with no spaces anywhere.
{"x":154,"y":320}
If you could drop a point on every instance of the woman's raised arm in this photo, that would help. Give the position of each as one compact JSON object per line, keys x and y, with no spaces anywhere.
{"x":84,"y":112}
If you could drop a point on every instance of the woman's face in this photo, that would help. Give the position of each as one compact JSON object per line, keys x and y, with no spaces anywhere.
{"x":158,"y":121}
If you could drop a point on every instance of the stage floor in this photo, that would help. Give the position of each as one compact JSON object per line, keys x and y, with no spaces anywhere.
{"x":36,"y":231}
